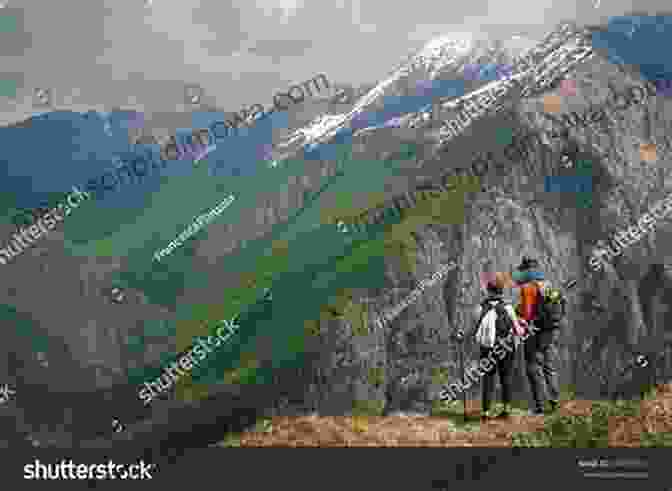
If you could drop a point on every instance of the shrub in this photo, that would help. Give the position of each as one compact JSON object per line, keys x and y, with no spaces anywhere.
{"x":368,"y":407}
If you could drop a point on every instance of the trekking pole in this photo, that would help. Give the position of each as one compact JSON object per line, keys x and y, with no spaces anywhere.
{"x":464,"y":392}
{"x":460,"y":339}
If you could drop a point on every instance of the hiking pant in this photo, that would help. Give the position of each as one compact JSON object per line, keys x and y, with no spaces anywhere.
{"x":504,"y":367}
{"x":541,"y":360}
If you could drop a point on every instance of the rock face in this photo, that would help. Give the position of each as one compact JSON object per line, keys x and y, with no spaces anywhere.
{"x":402,"y":369}
{"x":354,"y":365}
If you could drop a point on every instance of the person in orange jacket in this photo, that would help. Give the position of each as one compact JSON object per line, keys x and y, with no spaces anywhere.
{"x":541,"y":350}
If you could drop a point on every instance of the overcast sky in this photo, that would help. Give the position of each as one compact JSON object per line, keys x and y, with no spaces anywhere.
{"x":98,"y":54}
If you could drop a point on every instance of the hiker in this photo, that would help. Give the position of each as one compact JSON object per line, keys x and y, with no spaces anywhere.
{"x":497,"y":332}
{"x":542,"y":307}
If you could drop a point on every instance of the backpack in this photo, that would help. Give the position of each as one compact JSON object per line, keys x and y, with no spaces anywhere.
{"x":504,"y":324}
{"x":551,"y":307}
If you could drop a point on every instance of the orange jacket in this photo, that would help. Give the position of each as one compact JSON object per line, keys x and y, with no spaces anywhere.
{"x":530,"y":296}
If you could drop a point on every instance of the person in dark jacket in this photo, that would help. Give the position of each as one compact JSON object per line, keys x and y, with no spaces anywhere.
{"x":494,"y":332}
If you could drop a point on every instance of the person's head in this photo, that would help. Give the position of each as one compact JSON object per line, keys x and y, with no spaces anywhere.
{"x":527,"y":271}
{"x":495,"y":285}
{"x":528,"y":264}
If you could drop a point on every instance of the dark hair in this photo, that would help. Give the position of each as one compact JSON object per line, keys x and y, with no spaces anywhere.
{"x":494,"y":289}
{"x":528,"y":263}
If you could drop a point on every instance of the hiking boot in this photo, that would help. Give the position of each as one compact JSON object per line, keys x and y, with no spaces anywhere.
{"x":536,"y":412}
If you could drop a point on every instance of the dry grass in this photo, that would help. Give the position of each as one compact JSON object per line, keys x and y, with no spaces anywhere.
{"x":367,"y":431}
{"x":655,"y":416}
{"x":450,"y":430}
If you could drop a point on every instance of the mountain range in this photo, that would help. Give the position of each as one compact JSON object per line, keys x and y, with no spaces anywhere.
{"x":310,"y":266}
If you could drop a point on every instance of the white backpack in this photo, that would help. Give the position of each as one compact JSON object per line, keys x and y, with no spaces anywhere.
{"x":494,"y":317}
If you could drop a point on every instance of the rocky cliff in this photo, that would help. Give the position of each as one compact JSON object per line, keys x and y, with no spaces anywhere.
{"x":402,"y":368}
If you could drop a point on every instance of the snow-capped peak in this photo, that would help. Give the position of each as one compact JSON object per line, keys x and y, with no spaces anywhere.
{"x":446,"y":56}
